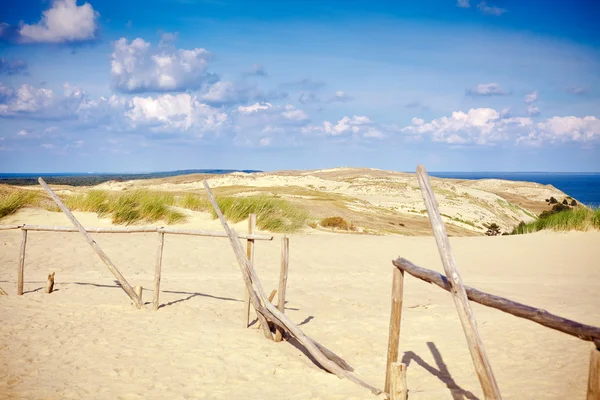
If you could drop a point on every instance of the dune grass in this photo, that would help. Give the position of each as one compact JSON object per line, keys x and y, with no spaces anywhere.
{"x":337,"y":222}
{"x":128,"y":207}
{"x":275,"y":215}
{"x":12,"y":200}
{"x":579,"y":219}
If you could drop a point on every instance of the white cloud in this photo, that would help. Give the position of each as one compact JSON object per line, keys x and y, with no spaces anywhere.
{"x":22,"y":132}
{"x":137,"y":67}
{"x":355,"y":124}
{"x":308,"y":97}
{"x":341,"y":97}
{"x":531,"y":97}
{"x":577,"y":90}
{"x":256,"y":70}
{"x":491,"y":10}
{"x":180,"y":112}
{"x":48,"y":146}
{"x":463,"y":3}
{"x":65,"y":21}
{"x":485,"y":126}
{"x":487,"y":89}
{"x":533,"y":110}
{"x":24,"y":100}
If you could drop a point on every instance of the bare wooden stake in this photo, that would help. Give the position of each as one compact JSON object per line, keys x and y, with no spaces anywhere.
{"x":264,"y":309}
{"x":398,"y":388}
{"x":395,"y":320}
{"x":157,"y":269}
{"x":467,"y":319}
{"x":593,"y":390}
{"x":21,"y":270}
{"x":283,"y":274}
{"x":250,"y":253}
{"x":138,"y":290}
{"x":124,"y":284}
{"x":50,"y":284}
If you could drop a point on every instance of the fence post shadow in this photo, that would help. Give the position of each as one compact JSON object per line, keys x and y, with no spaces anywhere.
{"x":442,"y":372}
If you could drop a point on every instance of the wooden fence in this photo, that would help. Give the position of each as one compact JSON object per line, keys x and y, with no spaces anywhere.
{"x":461,"y":295}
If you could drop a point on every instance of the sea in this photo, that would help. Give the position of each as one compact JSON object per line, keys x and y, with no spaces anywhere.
{"x":585,"y":187}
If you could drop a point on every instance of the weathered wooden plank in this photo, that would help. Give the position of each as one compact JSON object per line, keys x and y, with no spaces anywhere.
{"x":398,"y":388}
{"x":593,"y":390}
{"x":465,"y":314}
{"x":9,"y":227}
{"x":113,"y":269}
{"x":250,"y":254}
{"x":542,"y":317}
{"x":283,"y":275}
{"x":21,"y":271}
{"x":158,"y":270}
{"x":395,"y":320}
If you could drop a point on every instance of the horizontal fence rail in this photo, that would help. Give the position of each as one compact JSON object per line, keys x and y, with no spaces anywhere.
{"x":141,"y":229}
{"x":542,"y":317}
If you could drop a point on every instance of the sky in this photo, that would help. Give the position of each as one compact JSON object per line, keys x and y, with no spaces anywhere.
{"x":161,"y":85}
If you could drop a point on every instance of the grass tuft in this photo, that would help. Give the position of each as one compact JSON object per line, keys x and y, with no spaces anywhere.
{"x":12,"y":200}
{"x":337,"y":222}
{"x":579,"y":219}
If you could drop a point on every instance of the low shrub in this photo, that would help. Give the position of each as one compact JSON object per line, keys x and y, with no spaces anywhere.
{"x":337,"y":222}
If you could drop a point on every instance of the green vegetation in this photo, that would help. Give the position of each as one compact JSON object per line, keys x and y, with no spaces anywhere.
{"x":493,"y":229}
{"x":12,"y":200}
{"x":275,"y":215}
{"x":129,"y":207}
{"x":337,"y":222}
{"x":580,"y":219}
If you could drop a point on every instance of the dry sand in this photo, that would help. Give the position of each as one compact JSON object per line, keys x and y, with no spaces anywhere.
{"x":86,"y":341}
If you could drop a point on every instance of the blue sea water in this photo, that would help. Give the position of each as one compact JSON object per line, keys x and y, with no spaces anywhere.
{"x":585,"y":187}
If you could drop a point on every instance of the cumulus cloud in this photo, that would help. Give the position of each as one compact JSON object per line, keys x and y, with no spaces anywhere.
{"x":487,"y":89}
{"x":180,"y":112}
{"x":340,"y":97}
{"x":308,"y":97}
{"x":486,"y":126}
{"x":138,"y":67}
{"x":490,"y":10}
{"x":12,"y":67}
{"x":346,"y":125}
{"x":533,"y":110}
{"x":64,"y":22}
{"x":463,"y":3}
{"x":227,"y":93}
{"x":531,"y":97}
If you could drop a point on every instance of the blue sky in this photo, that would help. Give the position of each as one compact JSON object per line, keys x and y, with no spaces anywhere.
{"x":494,"y":85}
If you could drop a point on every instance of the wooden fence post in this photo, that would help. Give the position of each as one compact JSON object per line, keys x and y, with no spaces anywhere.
{"x":283,"y":274}
{"x":158,"y":268}
{"x":250,"y":253}
{"x":593,"y":390}
{"x":395,"y":319}
{"x":138,"y":290}
{"x":112,"y":268}
{"x":398,"y":388}
{"x":21,"y":262}
{"x":459,"y":295}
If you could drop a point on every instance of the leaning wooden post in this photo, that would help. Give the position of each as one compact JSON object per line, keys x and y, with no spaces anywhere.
{"x":138,"y":290}
{"x":395,"y":319}
{"x":124,"y":284}
{"x":283,"y":274}
{"x":50,"y":284}
{"x":21,"y":262}
{"x":398,"y":388}
{"x":250,"y":253}
{"x":157,"y":269}
{"x":593,"y":390}
{"x":459,"y":295}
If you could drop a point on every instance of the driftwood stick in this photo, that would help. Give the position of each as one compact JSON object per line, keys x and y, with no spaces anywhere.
{"x":9,"y":227}
{"x":283,"y":275}
{"x":140,"y":229}
{"x":542,"y":317}
{"x":266,"y":310}
{"x":2,"y":292}
{"x":467,"y":319}
{"x":250,"y":253}
{"x":395,"y":320}
{"x":398,"y":388}
{"x":50,"y":284}
{"x":593,"y":390}
{"x":139,"y":290}
{"x":21,"y":271}
{"x":124,"y":284}
{"x":158,"y":269}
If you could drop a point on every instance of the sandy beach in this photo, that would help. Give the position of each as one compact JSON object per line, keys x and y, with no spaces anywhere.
{"x":86,"y":340}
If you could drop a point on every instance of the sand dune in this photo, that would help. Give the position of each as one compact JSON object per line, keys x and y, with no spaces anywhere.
{"x":85,"y":340}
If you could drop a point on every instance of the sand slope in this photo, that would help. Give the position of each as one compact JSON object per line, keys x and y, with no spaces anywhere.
{"x":85,"y":341}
